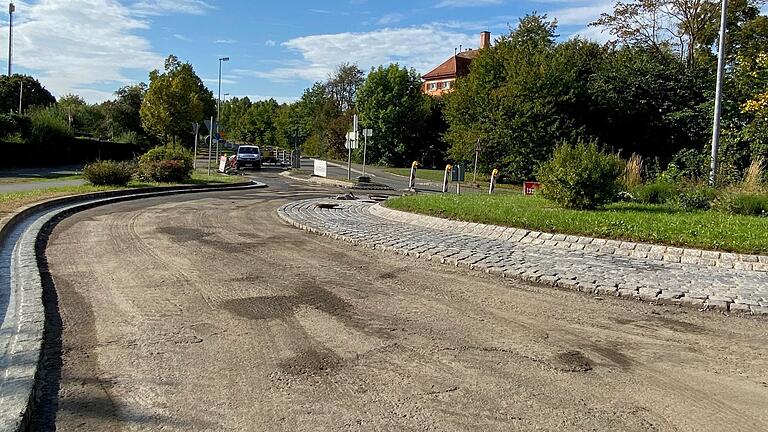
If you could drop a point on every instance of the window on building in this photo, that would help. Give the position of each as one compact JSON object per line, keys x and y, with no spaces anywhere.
{"x":432,"y":86}
{"x":447,"y":85}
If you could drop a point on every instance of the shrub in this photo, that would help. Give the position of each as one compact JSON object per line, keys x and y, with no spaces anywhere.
{"x":166,"y":164}
{"x":658,"y":192}
{"x":111,"y":173}
{"x":581,"y":176}
{"x":696,"y":198}
{"x":744,"y":203}
{"x":48,"y":127}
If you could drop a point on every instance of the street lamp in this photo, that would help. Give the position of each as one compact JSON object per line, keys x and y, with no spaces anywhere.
{"x":218,"y":108}
{"x":719,"y":92}
{"x":11,"y":10}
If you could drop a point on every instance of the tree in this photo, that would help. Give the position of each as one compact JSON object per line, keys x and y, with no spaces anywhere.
{"x":391,"y":103}
{"x":175,"y":99}
{"x":522,"y":96}
{"x":663,"y":24}
{"x":34,"y":94}
{"x":258,"y":123}
{"x":343,"y":84}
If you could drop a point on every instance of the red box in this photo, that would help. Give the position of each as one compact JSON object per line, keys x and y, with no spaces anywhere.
{"x":530,"y":188}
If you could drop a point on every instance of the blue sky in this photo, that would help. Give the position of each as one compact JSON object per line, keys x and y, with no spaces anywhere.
{"x":277,"y":48}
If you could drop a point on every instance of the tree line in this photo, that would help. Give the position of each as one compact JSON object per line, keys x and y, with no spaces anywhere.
{"x":649,"y":92}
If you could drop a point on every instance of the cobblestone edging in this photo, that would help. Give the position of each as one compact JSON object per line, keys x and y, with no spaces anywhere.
{"x":650,"y":252}
{"x":498,"y":252}
{"x":21,"y":293}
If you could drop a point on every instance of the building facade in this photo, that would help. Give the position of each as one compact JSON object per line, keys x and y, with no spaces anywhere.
{"x":442,"y":79}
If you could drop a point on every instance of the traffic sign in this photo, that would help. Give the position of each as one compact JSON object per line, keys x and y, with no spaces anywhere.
{"x":368,"y":133}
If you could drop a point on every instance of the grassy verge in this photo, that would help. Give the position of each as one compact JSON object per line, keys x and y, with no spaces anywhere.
{"x":11,"y":201}
{"x":624,"y":221}
{"x":41,"y":179}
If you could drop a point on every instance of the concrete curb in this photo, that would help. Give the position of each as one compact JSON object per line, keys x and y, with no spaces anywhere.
{"x":652,"y":252}
{"x":313,"y":221}
{"x":22,"y":334}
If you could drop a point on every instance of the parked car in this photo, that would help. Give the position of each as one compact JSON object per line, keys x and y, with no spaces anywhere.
{"x":248,"y":155}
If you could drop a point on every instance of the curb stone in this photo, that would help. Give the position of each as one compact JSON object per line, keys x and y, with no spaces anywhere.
{"x":671,"y":254}
{"x":22,"y":334}
{"x":618,"y":276}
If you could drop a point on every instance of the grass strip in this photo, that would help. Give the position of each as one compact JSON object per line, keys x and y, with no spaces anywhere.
{"x":657,"y":224}
{"x":12,"y":201}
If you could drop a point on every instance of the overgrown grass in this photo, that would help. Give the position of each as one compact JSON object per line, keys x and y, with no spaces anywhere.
{"x":12,"y":201}
{"x":658,"y":224}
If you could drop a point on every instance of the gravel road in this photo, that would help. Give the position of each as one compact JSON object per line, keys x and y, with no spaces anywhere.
{"x":208,"y":313}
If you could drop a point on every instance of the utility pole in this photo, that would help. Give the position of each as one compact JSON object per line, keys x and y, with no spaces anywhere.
{"x":11,"y":10}
{"x":719,"y":92}
{"x":21,"y":94}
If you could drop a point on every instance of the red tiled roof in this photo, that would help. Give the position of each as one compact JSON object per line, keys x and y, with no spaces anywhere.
{"x":455,"y":66}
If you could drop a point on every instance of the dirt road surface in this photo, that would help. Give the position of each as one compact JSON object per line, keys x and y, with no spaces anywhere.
{"x":207,"y":313}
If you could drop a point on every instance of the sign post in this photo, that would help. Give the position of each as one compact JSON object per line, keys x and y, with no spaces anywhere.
{"x":196,"y":131}
{"x":366,"y":133}
{"x":321,"y":168}
{"x":210,"y":143}
{"x":351,"y":144}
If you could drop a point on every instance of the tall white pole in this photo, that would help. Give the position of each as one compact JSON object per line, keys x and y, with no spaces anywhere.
{"x":21,"y":93}
{"x":11,"y":10}
{"x":719,"y":92}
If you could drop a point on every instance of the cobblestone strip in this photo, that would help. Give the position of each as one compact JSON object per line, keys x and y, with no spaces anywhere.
{"x":539,"y":257}
{"x":650,"y":252}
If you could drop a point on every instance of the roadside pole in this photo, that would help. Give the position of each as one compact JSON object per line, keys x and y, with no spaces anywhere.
{"x":446,"y":177}
{"x":365,"y":148}
{"x":477,"y":157}
{"x":196,"y":127}
{"x":412,"y":181}
{"x":349,"y":159}
{"x":210,"y":145}
{"x":718,"y":92}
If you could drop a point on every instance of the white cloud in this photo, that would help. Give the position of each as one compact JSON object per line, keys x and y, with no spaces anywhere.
{"x":467,"y":3}
{"x":76,"y":43}
{"x":422,"y":48}
{"x":162,"y":7}
{"x":391,"y":19}
{"x":225,"y":41}
{"x":580,"y":15}
{"x":270,"y":43}
{"x":79,"y":46}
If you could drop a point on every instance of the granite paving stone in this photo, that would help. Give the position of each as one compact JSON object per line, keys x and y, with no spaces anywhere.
{"x":668,"y":275}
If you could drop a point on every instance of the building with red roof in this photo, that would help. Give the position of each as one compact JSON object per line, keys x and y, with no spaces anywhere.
{"x":443,"y":78}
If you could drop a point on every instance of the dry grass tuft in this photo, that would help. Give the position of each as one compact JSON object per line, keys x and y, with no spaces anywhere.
{"x":753,"y":179}
{"x":633,"y":176}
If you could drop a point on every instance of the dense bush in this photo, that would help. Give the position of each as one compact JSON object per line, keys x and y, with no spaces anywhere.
{"x":581,"y":176}
{"x":744,"y":203}
{"x":109,"y":173}
{"x":48,"y":128}
{"x":697,"y":198}
{"x":166,"y":164}
{"x":658,"y":192}
{"x":11,"y":124}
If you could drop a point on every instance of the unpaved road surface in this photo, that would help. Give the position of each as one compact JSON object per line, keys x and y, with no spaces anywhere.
{"x":207,"y":313}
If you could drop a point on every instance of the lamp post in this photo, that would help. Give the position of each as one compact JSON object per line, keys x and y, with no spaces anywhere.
{"x":218,"y":106}
{"x":719,"y":92}
{"x":11,"y":10}
{"x":218,"y":101}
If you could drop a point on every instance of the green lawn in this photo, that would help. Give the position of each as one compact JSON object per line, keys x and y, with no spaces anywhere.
{"x":11,"y":201}
{"x":45,"y":178}
{"x":624,"y":221}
